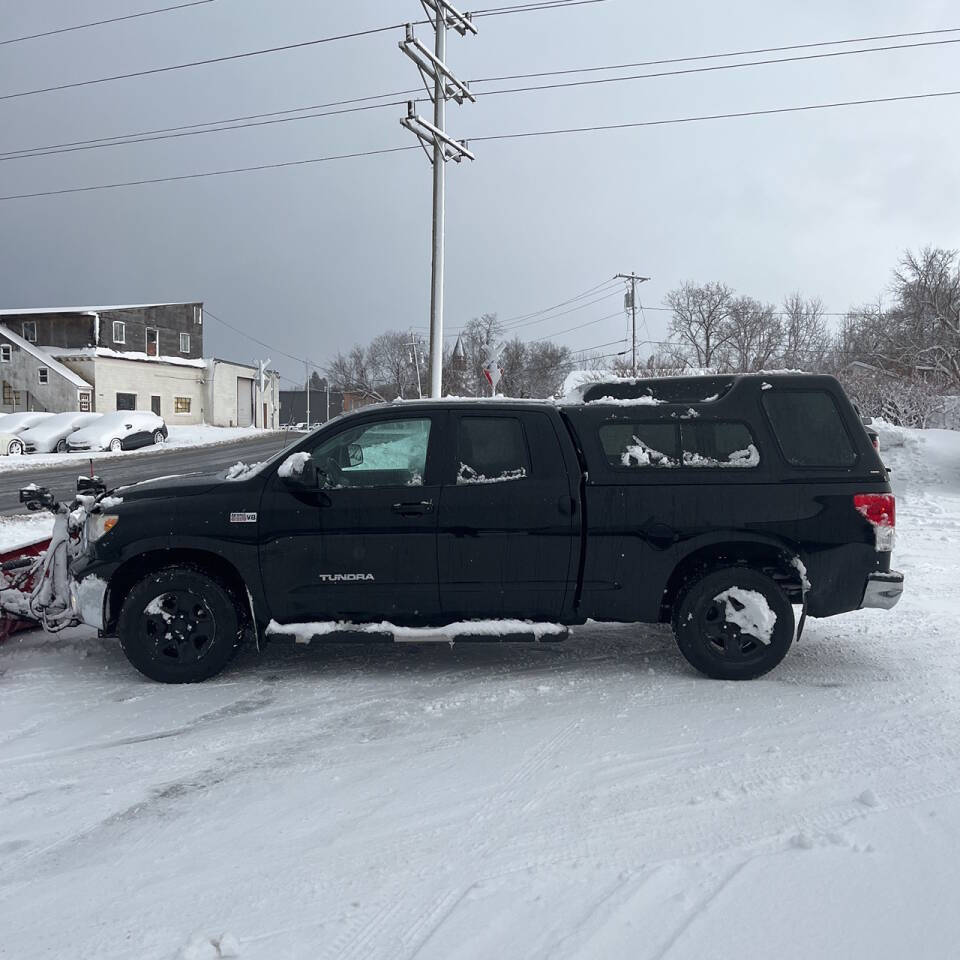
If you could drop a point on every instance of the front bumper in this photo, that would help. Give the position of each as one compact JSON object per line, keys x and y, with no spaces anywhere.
{"x":883,"y":590}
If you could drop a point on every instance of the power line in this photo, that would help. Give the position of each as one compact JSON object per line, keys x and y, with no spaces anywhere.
{"x":579,"y":326}
{"x":717,"y":67}
{"x":234,"y":123}
{"x":100,"y":23}
{"x":212,"y":173}
{"x":533,"y":7}
{"x":716,"y":116}
{"x":719,"y":56}
{"x":201,"y":63}
{"x":200,"y":132}
{"x":499,"y":137}
{"x":243,"y":333}
{"x":278,"y":49}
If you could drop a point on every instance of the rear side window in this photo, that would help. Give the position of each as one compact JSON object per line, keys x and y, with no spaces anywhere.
{"x":718,"y":444}
{"x":640,"y":444}
{"x":491,"y":450}
{"x":809,"y":428}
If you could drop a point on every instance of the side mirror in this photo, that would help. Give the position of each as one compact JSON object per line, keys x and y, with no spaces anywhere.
{"x":354,"y":455}
{"x":299,"y":470}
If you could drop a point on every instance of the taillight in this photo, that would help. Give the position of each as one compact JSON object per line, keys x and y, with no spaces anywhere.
{"x":880,"y":509}
{"x":876,"y":443}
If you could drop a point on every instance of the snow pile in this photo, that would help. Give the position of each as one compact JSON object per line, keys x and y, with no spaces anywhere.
{"x":467,"y":475}
{"x":294,"y":465}
{"x":242,"y":471}
{"x":644,"y":401}
{"x":306,"y":632}
{"x":638,"y":454}
{"x":22,"y":531}
{"x":739,"y":458}
{"x":750,"y":611}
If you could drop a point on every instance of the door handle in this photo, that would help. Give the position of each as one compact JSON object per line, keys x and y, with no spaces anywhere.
{"x":413,"y":509}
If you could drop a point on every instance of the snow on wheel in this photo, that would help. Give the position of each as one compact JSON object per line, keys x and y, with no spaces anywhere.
{"x":61,"y":446}
{"x":734,"y":623}
{"x":116,"y":445}
{"x":158,"y":437}
{"x":179,"y":625}
{"x":16,"y":448}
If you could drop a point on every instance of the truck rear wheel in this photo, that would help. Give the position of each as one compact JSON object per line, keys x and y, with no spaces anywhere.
{"x":734,"y":623}
{"x":179,"y":625}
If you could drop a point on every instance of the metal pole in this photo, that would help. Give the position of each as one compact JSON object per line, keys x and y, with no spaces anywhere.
{"x":439,"y":186}
{"x":633,"y":304}
{"x":307,"y":370}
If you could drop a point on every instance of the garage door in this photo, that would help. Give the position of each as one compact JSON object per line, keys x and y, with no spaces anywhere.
{"x":244,"y":402}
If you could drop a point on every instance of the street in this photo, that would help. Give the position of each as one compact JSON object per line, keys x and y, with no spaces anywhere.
{"x":133,"y":467}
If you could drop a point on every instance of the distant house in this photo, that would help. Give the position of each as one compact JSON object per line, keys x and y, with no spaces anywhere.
{"x":139,"y":357}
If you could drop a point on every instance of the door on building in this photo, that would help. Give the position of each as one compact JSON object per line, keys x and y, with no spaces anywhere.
{"x":155,"y":405}
{"x":244,"y":401}
{"x":153,"y":342}
{"x":362,"y":544}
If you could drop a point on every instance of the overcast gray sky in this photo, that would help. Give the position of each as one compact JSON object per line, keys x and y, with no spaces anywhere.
{"x":315,"y":258}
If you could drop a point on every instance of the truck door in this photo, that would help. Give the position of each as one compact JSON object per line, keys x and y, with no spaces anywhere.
{"x":508,"y":518}
{"x":361,"y":544}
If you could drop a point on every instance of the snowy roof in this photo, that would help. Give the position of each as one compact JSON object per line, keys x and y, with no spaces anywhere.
{"x":38,"y":311}
{"x":85,"y":353}
{"x":46,"y":358}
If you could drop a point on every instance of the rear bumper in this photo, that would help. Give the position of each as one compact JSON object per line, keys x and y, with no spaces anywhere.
{"x":883,"y":590}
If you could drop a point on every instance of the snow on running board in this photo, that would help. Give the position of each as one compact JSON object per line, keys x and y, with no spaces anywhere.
{"x":750,"y":611}
{"x":305,"y":632}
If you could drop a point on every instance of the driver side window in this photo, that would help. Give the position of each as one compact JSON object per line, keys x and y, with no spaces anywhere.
{"x":389,"y":453}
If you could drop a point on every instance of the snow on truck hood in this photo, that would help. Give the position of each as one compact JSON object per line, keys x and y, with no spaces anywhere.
{"x":159,"y":488}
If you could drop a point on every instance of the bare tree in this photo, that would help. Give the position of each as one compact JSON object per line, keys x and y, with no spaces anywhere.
{"x":755,"y":336}
{"x":700,"y":325}
{"x":354,"y":372}
{"x":806,"y":340}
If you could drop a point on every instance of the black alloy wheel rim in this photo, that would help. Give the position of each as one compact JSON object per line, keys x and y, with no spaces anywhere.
{"x":726,"y":639}
{"x":180,"y":626}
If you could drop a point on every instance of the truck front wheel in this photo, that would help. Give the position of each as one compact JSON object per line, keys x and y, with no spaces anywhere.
{"x":179,"y":625}
{"x":734,"y":623}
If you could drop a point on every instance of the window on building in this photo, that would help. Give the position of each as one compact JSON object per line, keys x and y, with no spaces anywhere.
{"x":198,"y":315}
{"x":5,"y":352}
{"x":30,"y":330}
{"x":84,"y":402}
{"x":119,"y":331}
{"x":11,"y":397}
{"x":43,"y":375}
{"x":809,"y":428}
{"x":490,"y":450}
{"x":184,"y":342}
{"x":126,"y":401}
{"x":153,"y":342}
{"x":181,"y":404}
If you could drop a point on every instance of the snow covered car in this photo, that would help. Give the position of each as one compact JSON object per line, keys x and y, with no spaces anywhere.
{"x":716,"y":504}
{"x":50,"y":435}
{"x":12,"y":425}
{"x":123,"y":430}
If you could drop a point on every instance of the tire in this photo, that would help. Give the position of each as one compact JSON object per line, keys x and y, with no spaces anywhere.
{"x":61,"y":446}
{"x":16,"y":448}
{"x":720,"y":648}
{"x":158,"y":437}
{"x":115,"y":446}
{"x":164,"y":617}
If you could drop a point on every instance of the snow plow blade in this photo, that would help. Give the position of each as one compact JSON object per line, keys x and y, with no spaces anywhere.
{"x":14,"y":567}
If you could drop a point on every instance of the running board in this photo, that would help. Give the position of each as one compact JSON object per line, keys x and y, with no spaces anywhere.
{"x":471,"y":631}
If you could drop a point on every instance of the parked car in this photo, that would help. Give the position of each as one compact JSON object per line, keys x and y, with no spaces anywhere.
{"x":12,"y":425}
{"x":51,"y":434}
{"x":123,"y":430}
{"x":715,"y":504}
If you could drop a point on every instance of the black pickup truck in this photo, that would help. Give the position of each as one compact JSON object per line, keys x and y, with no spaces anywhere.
{"x":716,"y":504}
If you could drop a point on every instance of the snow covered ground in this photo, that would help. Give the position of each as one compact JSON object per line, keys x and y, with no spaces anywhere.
{"x":595,"y":799}
{"x":181,"y":438}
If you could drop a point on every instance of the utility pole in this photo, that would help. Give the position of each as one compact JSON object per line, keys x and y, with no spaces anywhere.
{"x":438,"y":146}
{"x":630,"y":303}
{"x":306,"y":368}
{"x":413,"y":344}
{"x":262,"y":384}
